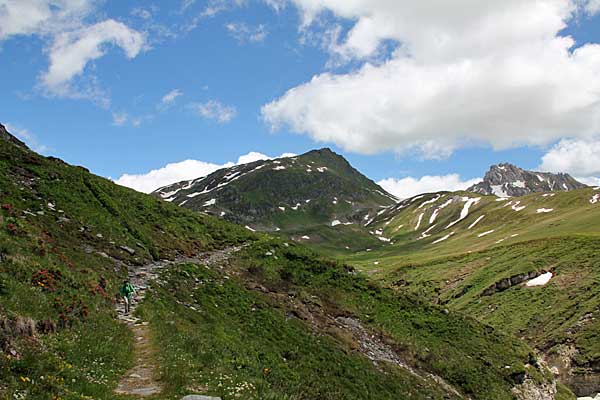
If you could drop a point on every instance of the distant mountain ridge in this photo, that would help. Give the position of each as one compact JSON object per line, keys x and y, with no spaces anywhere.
{"x":508,"y":180}
{"x":318,"y":187}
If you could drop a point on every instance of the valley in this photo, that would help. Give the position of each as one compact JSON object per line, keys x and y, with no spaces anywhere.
{"x":282,"y":316}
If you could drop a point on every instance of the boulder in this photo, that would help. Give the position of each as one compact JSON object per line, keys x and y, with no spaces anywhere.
{"x":127,"y":249}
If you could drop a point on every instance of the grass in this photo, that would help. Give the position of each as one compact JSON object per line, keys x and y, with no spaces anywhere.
{"x":64,"y":236}
{"x":61,"y":232}
{"x":216,"y":331}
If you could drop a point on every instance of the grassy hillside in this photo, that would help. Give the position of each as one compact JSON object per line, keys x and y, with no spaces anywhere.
{"x":430,"y":225}
{"x":275,"y":321}
{"x":560,"y":318}
{"x":500,"y":239}
{"x":244,"y":328}
{"x":65,"y":237}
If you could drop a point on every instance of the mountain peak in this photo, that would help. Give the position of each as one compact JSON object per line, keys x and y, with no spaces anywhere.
{"x":507,"y":180}
{"x":287,"y":194}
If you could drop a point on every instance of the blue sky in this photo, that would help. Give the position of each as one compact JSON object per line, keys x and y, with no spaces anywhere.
{"x":211,"y":80}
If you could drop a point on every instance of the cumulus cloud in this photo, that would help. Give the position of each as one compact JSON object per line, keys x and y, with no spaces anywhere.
{"x":576,"y":157}
{"x":71,"y":42}
{"x":408,"y":187}
{"x":462,"y":73}
{"x":40,"y":17}
{"x":71,"y":51}
{"x":244,"y":33}
{"x":214,"y":110}
{"x":593,"y":7}
{"x":183,"y":170}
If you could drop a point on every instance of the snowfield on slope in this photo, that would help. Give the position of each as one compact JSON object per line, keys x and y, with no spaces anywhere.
{"x":544,"y":210}
{"x":464,"y":213}
{"x":541,"y":280}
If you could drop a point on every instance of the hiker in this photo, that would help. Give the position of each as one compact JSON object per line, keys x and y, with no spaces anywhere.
{"x":127,"y":290}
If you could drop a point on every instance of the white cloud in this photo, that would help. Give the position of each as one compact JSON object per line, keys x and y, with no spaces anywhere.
{"x":589,"y":180}
{"x":170,"y":97}
{"x":463,"y":73}
{"x":28,"y":138}
{"x":593,"y":7}
{"x":40,"y":17}
{"x":576,"y":157}
{"x":184,"y":170}
{"x":214,"y":110}
{"x":409,"y":187}
{"x":244,"y":33}
{"x":71,"y":51}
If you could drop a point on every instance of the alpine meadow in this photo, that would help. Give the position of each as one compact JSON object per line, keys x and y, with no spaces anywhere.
{"x":300,"y":200}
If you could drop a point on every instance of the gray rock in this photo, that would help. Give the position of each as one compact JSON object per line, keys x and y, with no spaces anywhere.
{"x":510,"y":180}
{"x":199,"y":397}
{"x":127,"y":249}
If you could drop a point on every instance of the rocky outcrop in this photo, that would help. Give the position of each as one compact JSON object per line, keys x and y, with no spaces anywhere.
{"x":529,"y":390}
{"x":506,"y":283}
{"x":4,"y":135}
{"x":507,"y":180}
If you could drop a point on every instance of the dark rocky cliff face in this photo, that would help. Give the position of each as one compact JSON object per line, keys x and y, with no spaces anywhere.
{"x":4,"y":135}
{"x":505,"y":180}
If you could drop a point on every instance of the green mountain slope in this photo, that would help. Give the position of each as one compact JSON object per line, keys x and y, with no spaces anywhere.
{"x":273,"y":320}
{"x":476,"y":253}
{"x":316,"y":197}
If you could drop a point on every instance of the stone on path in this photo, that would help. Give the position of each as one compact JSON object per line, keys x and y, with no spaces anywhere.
{"x":199,"y":397}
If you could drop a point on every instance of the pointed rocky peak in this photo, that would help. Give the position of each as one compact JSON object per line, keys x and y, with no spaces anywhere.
{"x":6,"y":136}
{"x":507,"y":180}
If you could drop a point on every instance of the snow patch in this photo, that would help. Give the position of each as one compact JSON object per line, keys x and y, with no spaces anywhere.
{"x":444,"y":238}
{"x":437,"y":210}
{"x":384,"y":239}
{"x":465,"y":211}
{"x":498,"y":190}
{"x":549,"y":195}
{"x":250,"y":229}
{"x":430,"y":201}
{"x":322,"y":169}
{"x":281,"y":208}
{"x":426,"y":233}
{"x":419,"y":220}
{"x":476,"y":221}
{"x":210,"y":202}
{"x":279,"y":168}
{"x":335,"y":222}
{"x":544,"y":210}
{"x":541,"y":280}
{"x":519,"y":184}
{"x":305,"y":237}
{"x":516,"y":206}
{"x":486,"y":233}
{"x":595,"y":198}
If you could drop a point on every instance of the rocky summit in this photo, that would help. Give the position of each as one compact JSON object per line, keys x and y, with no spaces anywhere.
{"x":508,"y":180}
